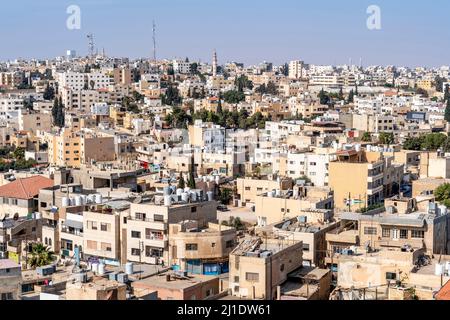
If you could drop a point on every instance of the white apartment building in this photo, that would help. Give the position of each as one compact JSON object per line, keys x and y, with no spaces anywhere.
{"x":181,"y":66}
{"x":296,"y":69}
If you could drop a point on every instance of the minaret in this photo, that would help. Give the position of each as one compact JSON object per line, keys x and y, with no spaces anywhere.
{"x":214,"y":64}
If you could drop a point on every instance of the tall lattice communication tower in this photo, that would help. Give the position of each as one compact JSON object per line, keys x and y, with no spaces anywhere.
{"x":154,"y":40}
{"x":91,"y":45}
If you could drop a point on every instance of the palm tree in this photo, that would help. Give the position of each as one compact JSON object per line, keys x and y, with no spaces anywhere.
{"x":40,"y":255}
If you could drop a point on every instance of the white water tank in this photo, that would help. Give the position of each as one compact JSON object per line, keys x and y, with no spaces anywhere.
{"x":217,"y":179}
{"x":184,"y":196}
{"x":447,"y":266}
{"x":78,"y":201}
{"x":278,"y":192}
{"x":101,"y":269}
{"x":439,"y":269}
{"x":187,"y":189}
{"x":295,"y":193}
{"x":179,"y":192}
{"x":90,"y":198}
{"x":166,"y":191}
{"x":129,"y":268}
{"x":167,"y":201}
{"x":65,"y":202}
{"x":193,"y":196}
{"x":83,"y":199}
{"x":98,"y":198}
{"x":72,"y":201}
{"x":94,"y":267}
{"x":205,"y":179}
{"x":210,"y":195}
{"x":270,"y":194}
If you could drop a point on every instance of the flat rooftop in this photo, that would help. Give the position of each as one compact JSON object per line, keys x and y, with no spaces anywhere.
{"x":160,"y":281}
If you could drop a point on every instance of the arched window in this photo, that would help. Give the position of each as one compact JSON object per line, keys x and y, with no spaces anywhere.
{"x":46,"y":241}
{"x":49,"y":241}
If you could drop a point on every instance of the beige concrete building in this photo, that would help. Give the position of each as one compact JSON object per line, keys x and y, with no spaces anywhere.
{"x":33,"y":121}
{"x":248,"y":188}
{"x":365,"y":188}
{"x":273,"y":207}
{"x":10,"y":280}
{"x":147,"y":227}
{"x":258,"y":267}
{"x":200,"y":249}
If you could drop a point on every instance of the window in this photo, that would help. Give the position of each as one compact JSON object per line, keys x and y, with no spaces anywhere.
{"x":14,"y":202}
{"x":140,"y":216}
{"x":236,"y":278}
{"x":158,"y":217}
{"x":391,"y":276}
{"x":229,"y":244}
{"x":194,"y":209}
{"x":247,"y":188}
{"x":250,"y":276}
{"x":91,"y":245}
{"x":135,"y":252}
{"x":104,"y":226}
{"x":370,"y":230}
{"x":403,"y":234}
{"x":7,"y":296}
{"x":92,"y":225}
{"x":191,"y":247}
{"x":305,"y":246}
{"x":106,"y":246}
{"x":417,"y":234}
{"x":135,"y":234}
{"x":386,"y":233}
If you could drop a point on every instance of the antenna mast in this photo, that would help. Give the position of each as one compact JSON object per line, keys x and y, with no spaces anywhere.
{"x":91,"y":45}
{"x":154,"y":41}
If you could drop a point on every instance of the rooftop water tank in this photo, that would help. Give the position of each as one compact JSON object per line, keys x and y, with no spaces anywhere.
{"x":94,"y":267}
{"x":210,"y":195}
{"x":185,"y":197}
{"x":439,"y":269}
{"x":129,"y":268}
{"x":78,"y":201}
{"x":193,"y":196}
{"x":98,"y":198}
{"x":101,"y":269}
{"x":179,"y":192}
{"x":166,"y":191}
{"x":167,"y":201}
{"x":65,"y":202}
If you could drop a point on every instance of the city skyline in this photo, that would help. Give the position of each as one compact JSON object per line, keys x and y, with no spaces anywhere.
{"x":410,"y":35}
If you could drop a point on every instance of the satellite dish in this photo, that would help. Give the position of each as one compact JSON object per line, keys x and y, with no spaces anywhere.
{"x":16,"y":216}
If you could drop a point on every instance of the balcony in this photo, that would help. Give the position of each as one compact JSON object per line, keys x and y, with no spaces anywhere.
{"x":375,"y":177}
{"x":373,"y":191}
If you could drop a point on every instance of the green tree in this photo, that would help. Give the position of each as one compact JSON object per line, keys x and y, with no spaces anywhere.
{"x":447,"y":111}
{"x":40,"y":255}
{"x":366,"y":137}
{"x":49,"y":93}
{"x":386,"y":138}
{"x":225,"y":196}
{"x":181,"y":183}
{"x":351,"y":97}
{"x":242,"y":83}
{"x":323,"y":97}
{"x":171,"y":97}
{"x":442,"y":194}
{"x":341,"y":94}
{"x":233,"y":96}
{"x":446,"y":93}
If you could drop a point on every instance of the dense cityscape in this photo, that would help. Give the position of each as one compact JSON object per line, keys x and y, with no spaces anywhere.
{"x":175,"y":179}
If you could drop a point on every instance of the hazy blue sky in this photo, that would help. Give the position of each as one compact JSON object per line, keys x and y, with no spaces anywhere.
{"x":317,"y":31}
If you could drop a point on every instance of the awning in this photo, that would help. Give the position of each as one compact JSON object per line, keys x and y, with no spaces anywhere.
{"x":74,"y":224}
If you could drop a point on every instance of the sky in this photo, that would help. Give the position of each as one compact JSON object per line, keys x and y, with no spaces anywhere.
{"x":413,"y":33}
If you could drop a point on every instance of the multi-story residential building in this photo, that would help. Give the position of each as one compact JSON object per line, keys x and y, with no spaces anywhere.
{"x":258,"y":267}
{"x":10,"y":280}
{"x":147,"y":227}
{"x":404,"y":224}
{"x":207,"y":135}
{"x":275,"y":206}
{"x":296,"y":69}
{"x":20,"y":196}
{"x":248,"y":188}
{"x":200,"y":249}
{"x":32,"y":121}
{"x":365,"y":188}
